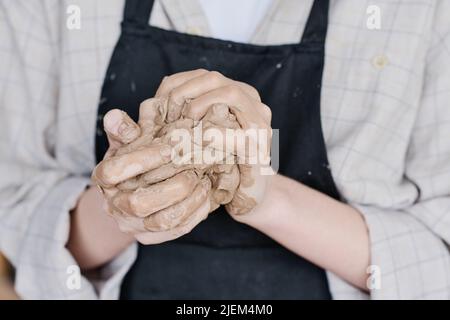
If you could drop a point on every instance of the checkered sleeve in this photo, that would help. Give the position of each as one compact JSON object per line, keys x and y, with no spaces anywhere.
{"x":37,"y":191}
{"x":410,"y":246}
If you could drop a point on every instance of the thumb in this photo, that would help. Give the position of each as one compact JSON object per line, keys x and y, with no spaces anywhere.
{"x":120,"y":128}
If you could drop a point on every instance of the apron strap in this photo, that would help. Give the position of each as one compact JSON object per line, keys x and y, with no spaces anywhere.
{"x":317,"y":25}
{"x":138,"y":11}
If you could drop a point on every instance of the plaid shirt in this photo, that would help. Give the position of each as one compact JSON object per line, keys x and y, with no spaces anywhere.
{"x":385,"y":116}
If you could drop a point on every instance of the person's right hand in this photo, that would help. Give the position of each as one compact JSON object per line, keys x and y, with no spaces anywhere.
{"x":152,"y":214}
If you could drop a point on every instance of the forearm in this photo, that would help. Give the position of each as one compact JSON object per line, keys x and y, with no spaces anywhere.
{"x":95,"y":238}
{"x":327,"y":232}
{"x":6,"y":288}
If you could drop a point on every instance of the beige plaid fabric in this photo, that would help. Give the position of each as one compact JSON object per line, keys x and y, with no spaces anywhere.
{"x":385,"y":116}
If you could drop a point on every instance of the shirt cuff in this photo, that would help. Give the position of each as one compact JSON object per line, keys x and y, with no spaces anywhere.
{"x":111,"y":275}
{"x":408,"y":260}
{"x":45,"y":269}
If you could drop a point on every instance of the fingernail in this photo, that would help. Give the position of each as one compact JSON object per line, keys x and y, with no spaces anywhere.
{"x":112,"y":121}
{"x":127,"y":131}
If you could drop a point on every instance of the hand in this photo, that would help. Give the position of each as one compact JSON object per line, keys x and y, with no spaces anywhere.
{"x":152,"y":214}
{"x":192,"y":94}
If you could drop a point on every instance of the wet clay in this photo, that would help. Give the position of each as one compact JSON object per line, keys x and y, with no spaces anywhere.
{"x":146,"y":167}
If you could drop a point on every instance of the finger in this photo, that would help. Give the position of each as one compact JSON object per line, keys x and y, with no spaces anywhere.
{"x":245,"y":198}
{"x":145,"y":201}
{"x":152,"y":122}
{"x":145,"y":140}
{"x":130,"y":184}
{"x":198,"y":216}
{"x":164,"y":172}
{"x":200,"y":85}
{"x":248,"y":89}
{"x":219,"y":115}
{"x":225,"y":183}
{"x":176,"y":127}
{"x":147,"y":237}
{"x":119,"y":168}
{"x":120,"y":128}
{"x":206,"y":82}
{"x":175,"y":80}
{"x":158,"y":237}
{"x":244,"y":108}
{"x":241,"y":204}
{"x":128,"y":224}
{"x":152,"y":113}
{"x":172,"y":216}
{"x":260,"y":117}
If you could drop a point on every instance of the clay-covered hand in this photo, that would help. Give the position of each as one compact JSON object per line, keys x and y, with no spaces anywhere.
{"x":181,"y":186}
{"x":175,"y":205}
{"x":192,"y":94}
{"x":158,"y":199}
{"x":224,"y":176}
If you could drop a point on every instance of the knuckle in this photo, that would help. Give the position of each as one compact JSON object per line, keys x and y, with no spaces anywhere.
{"x":231,"y":93}
{"x":184,"y":230}
{"x":253,"y":92}
{"x":146,"y":105}
{"x":162,"y":85}
{"x":143,"y":240}
{"x":266,"y":111}
{"x":177,"y":95}
{"x":100,"y":175}
{"x":215,"y":76}
{"x":201,"y":70}
{"x":219,"y":74}
{"x":166,"y":79}
{"x":165,"y":82}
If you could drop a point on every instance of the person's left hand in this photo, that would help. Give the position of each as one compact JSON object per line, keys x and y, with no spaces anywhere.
{"x":192,"y":93}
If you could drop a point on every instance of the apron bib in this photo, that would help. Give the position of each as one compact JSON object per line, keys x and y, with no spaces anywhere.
{"x":221,"y":258}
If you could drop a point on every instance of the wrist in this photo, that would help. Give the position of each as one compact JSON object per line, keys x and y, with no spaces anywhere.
{"x":271,"y":206}
{"x":94,"y":238}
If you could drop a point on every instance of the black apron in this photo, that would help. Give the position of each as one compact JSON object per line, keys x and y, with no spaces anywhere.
{"x":221,"y":258}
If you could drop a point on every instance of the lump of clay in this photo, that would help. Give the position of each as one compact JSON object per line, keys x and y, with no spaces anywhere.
{"x":221,"y":177}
